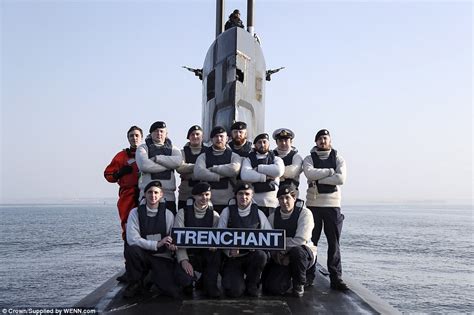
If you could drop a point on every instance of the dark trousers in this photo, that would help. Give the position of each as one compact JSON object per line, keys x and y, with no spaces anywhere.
{"x":181,"y":204}
{"x":171,"y":205}
{"x":235,"y":268}
{"x":277,"y":279}
{"x":329,"y":218}
{"x":140,"y":262}
{"x":267,"y":210}
{"x":219,"y":208}
{"x":205,"y":261}
{"x":125,"y":246}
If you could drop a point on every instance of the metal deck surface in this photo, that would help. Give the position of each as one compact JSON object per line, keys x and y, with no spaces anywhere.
{"x":318,"y":299}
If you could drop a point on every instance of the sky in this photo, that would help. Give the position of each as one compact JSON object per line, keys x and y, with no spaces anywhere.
{"x":391,"y":80}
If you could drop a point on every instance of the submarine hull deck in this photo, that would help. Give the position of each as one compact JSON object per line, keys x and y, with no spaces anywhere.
{"x":318,"y":299}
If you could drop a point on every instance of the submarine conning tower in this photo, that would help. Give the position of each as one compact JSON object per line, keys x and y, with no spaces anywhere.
{"x":233,"y":77}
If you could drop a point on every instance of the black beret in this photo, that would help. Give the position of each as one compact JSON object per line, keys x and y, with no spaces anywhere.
{"x":216,"y":130}
{"x":322,"y":132}
{"x":193,"y":128}
{"x":283,"y":133}
{"x":201,"y":187}
{"x":153,"y":183}
{"x":285,"y":190}
{"x":238,"y":125}
{"x":261,"y":136}
{"x":156,"y":125}
{"x":242,"y":186}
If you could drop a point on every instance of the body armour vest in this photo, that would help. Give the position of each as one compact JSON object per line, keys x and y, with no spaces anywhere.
{"x":190,"y":220}
{"x":269,"y":185}
{"x":153,"y":225}
{"x":244,"y":151}
{"x":222,"y":159}
{"x":288,"y":160}
{"x":189,"y":157}
{"x":252,"y":221}
{"x":330,"y":162}
{"x":154,"y":150}
{"x":289,"y":225}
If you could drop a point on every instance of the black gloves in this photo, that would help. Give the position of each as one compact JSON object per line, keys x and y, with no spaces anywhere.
{"x":127,"y":169}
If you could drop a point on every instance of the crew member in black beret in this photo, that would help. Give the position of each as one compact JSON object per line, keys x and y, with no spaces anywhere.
{"x":193,"y":128}
{"x":218,"y":166}
{"x":200,"y":188}
{"x":289,"y":154}
{"x":157,"y":159}
{"x":150,"y":245}
{"x":243,"y":262}
{"x":261,"y":136}
{"x":322,"y":132}
{"x":157,"y":125}
{"x":239,"y":125}
{"x":198,"y":212}
{"x":239,"y":143}
{"x":285,"y":190}
{"x":289,"y":267}
{"x":153,"y":183}
{"x":243,"y":186}
{"x":217,"y":130}
{"x":190,"y":152}
{"x":325,"y":170}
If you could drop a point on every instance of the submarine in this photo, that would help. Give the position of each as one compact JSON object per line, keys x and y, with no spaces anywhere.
{"x":233,"y":78}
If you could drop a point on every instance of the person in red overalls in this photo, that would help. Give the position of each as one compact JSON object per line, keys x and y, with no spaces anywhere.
{"x":124,"y":171}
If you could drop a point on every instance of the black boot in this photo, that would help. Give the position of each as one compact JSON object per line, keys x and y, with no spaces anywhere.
{"x":122,"y":278}
{"x":339,"y":285}
{"x":132,"y":290}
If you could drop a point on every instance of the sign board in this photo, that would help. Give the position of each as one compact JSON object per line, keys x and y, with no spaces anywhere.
{"x":228,"y":238}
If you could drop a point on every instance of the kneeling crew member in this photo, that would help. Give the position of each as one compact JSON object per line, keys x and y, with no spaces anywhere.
{"x":240,"y":263}
{"x":198,"y":212}
{"x":150,"y":245}
{"x":300,"y":253}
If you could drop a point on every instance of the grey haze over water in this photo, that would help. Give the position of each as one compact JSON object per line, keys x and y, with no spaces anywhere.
{"x":416,"y":257}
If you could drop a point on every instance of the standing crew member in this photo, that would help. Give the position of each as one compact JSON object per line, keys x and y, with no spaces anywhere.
{"x":150,"y":245}
{"x":263,"y":169}
{"x":124,"y":171}
{"x":289,"y":267}
{"x":190,"y":153}
{"x":218,"y":166}
{"x":289,"y":154}
{"x":198,"y":212}
{"x":239,"y":143}
{"x":157,"y":159}
{"x":240,"y":263}
{"x":325,"y":170}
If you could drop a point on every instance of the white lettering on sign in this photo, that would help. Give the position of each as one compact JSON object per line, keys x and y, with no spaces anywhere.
{"x":229,"y":238}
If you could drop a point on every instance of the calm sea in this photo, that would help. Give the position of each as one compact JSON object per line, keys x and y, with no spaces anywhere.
{"x":419,"y":258}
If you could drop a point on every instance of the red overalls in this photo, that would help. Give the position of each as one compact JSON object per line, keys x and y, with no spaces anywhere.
{"x":128,"y":192}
